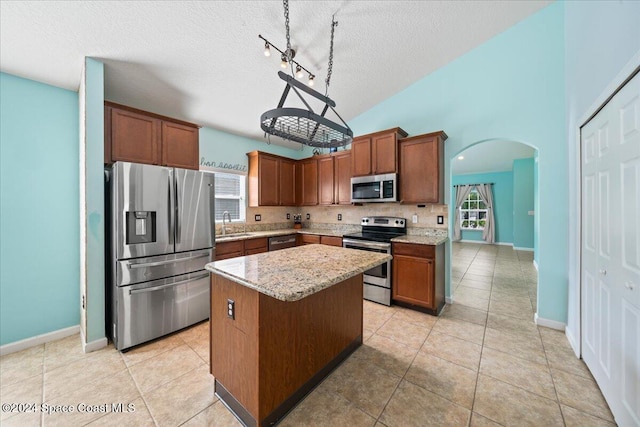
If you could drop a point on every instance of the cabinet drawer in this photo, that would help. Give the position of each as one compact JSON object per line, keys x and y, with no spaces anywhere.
{"x":309,"y":239}
{"x":229,"y":247}
{"x":421,"y":251}
{"x":220,"y":257}
{"x":260,"y":243}
{"x":331,"y":240}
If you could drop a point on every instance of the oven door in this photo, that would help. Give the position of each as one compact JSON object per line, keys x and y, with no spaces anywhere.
{"x":380,"y":275}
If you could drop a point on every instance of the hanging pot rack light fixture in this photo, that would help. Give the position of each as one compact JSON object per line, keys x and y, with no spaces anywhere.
{"x":297,"y":124}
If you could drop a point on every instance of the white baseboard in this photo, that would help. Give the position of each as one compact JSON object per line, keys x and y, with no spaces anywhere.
{"x":572,"y":341}
{"x":448,"y":300}
{"x":523,"y":249}
{"x":548,"y":323}
{"x":88,"y":347}
{"x":38,"y":339}
{"x":482,"y":242}
{"x":535,"y":265}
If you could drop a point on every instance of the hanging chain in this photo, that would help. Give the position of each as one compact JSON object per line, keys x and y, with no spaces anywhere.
{"x":334,"y":24}
{"x":286,"y":26}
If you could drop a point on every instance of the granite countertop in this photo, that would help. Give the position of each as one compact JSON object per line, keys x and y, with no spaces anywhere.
{"x":421,"y":240}
{"x":294,"y":273}
{"x":254,"y":235}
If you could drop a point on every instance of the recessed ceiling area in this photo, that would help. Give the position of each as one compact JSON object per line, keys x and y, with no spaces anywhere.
{"x":490,"y":156}
{"x":202,"y":61}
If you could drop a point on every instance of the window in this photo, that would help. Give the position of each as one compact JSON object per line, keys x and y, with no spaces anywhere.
{"x":230,"y":196}
{"x":473,"y":212}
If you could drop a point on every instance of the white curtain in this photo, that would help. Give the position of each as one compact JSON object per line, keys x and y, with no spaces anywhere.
{"x":462,"y":191}
{"x":488,"y":235}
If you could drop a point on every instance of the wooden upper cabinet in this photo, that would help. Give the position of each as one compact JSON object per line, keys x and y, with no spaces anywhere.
{"x":326,"y":180}
{"x":309,"y":182}
{"x":180,"y":146}
{"x":361,"y":156}
{"x":268,"y":177}
{"x":287,"y":184}
{"x":133,"y":135}
{"x":376,"y":153}
{"x":342,"y":177}
{"x":271,"y":180}
{"x":421,"y":177}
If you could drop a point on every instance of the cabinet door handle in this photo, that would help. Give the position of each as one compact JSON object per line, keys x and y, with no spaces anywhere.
{"x":603,"y":272}
{"x":629,"y":285}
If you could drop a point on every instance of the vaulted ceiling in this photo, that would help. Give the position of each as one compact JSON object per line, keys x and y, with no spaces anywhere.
{"x":202,"y":61}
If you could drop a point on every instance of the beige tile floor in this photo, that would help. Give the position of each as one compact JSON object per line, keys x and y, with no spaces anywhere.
{"x":483,"y":362}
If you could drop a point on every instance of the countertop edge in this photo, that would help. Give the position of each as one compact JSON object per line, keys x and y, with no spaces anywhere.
{"x":294,"y":296}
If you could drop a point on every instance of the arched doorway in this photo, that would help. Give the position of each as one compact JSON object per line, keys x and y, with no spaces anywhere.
{"x":480,"y":271}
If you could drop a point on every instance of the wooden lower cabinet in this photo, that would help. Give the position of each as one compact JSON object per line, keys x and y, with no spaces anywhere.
{"x":308,"y":239}
{"x":314,"y":239}
{"x":236,"y":248}
{"x":331,"y":240}
{"x":418,"y":276}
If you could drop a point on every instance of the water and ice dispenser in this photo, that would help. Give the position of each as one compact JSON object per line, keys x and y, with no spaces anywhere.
{"x":141,"y":227}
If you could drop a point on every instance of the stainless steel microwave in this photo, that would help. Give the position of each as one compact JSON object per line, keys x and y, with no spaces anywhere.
{"x":374,"y":188}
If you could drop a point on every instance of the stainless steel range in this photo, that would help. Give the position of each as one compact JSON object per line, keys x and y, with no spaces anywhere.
{"x":376,"y":235}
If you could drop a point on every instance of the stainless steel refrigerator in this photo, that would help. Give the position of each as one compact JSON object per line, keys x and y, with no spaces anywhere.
{"x":160,"y":235}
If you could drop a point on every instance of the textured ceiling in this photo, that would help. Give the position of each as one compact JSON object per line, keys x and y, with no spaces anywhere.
{"x":202,"y":61}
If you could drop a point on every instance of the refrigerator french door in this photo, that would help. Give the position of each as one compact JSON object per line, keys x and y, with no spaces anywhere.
{"x":162,"y":235}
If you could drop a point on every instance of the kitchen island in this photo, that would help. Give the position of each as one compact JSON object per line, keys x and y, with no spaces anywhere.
{"x":280,"y":322}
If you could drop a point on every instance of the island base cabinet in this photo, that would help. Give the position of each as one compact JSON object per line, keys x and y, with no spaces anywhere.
{"x":269,"y":354}
{"x":418,"y":277}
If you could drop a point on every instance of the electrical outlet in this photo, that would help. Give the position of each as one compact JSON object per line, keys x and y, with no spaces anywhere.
{"x":339,"y":217}
{"x":288,"y":216}
{"x":258,"y":217}
{"x":231,"y":309}
{"x":308,"y":216}
{"x":440,"y":219}
{"x":414,"y":219}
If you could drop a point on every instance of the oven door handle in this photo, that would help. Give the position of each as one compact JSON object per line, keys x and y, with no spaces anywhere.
{"x":365,"y":244}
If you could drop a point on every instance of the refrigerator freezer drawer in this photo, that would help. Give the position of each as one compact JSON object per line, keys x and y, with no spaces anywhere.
{"x":150,"y":310}
{"x":140,"y":270}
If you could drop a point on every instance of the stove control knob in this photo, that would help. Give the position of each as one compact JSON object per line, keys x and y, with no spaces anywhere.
{"x":397,"y":222}
{"x":401,"y":222}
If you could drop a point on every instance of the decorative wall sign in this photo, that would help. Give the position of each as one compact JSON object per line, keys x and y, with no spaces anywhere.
{"x":221,"y":166}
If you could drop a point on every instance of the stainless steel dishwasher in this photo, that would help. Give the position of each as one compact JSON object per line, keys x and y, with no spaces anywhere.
{"x":282,"y":242}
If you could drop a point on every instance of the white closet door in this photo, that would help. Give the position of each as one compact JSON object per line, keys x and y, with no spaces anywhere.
{"x":610,"y":147}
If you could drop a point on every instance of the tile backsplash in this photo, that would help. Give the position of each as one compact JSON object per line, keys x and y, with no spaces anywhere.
{"x":351,"y":215}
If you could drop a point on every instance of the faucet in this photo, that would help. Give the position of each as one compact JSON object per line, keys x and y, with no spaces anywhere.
{"x":224,"y":228}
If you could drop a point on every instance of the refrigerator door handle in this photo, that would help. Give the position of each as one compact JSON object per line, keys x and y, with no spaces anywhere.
{"x":171,"y":208}
{"x":158,"y":288}
{"x":178,"y":224}
{"x":169,"y":261}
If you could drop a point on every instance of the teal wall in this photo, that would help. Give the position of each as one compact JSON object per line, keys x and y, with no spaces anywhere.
{"x":224,"y":151}
{"x":601,"y":37}
{"x":509,"y":88}
{"x":94,"y":181}
{"x":536,"y":204}
{"x":523,"y":202}
{"x":39,"y":252}
{"x":502,"y":200}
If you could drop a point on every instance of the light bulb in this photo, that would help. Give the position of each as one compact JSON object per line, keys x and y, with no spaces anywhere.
{"x":284,"y":62}
{"x":267,"y":49}
{"x":299,"y":72}
{"x":310,"y":80}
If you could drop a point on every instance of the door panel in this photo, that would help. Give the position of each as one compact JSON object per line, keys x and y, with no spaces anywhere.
{"x":195,"y":210}
{"x":610,"y":251}
{"x":143,"y":191}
